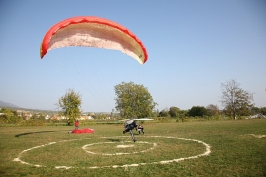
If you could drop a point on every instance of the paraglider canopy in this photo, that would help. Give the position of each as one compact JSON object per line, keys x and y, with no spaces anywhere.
{"x":90,"y":31}
{"x":85,"y":130}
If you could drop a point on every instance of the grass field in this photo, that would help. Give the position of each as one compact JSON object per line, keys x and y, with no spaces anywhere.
{"x":209,"y":148}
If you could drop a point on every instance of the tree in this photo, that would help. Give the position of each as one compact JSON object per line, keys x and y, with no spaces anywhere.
{"x":174,"y":111}
{"x":70,"y":105}
{"x":199,"y":111}
{"x":255,"y":110}
{"x":212,"y":110}
{"x":234,"y":99}
{"x":9,"y":116}
{"x":164,"y":113}
{"x":263,"y":110}
{"x":133,"y":100}
{"x":182,"y":113}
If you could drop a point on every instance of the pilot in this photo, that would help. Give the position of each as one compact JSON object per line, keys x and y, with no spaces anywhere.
{"x":129,"y":125}
{"x":140,"y":128}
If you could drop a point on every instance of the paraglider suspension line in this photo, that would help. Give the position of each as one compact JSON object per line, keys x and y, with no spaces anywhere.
{"x":132,"y":135}
{"x":126,"y":140}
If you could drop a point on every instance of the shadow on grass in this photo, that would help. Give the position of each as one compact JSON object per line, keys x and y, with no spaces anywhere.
{"x":113,"y":140}
{"x":29,"y":133}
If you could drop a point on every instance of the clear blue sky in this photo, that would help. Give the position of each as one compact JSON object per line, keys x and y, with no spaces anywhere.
{"x":193,"y":47}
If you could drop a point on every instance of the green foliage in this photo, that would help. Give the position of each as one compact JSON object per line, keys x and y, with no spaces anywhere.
{"x":70,"y":105}
{"x":133,"y":100}
{"x":174,"y":111}
{"x":163,"y":119}
{"x":182,"y":114}
{"x":244,"y":111}
{"x":38,"y":116}
{"x":263,"y":110}
{"x":163,"y":113}
{"x":256,"y":110}
{"x":199,"y":111}
{"x":9,"y":116}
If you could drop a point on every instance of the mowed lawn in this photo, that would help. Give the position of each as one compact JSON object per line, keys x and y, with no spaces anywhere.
{"x":206,"y":148}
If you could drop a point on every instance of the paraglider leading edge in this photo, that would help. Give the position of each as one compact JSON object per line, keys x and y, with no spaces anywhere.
{"x":95,"y":20}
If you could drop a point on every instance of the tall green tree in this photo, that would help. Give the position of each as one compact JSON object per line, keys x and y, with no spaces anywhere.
{"x":234,"y":99}
{"x":70,"y":106}
{"x":133,"y":100}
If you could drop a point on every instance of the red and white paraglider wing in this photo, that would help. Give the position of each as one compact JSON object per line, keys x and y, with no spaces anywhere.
{"x":96,"y":32}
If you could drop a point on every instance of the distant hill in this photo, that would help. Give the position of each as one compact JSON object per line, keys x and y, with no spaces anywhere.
{"x":12,"y":106}
{"x":15,"y":107}
{"x":8,"y":105}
